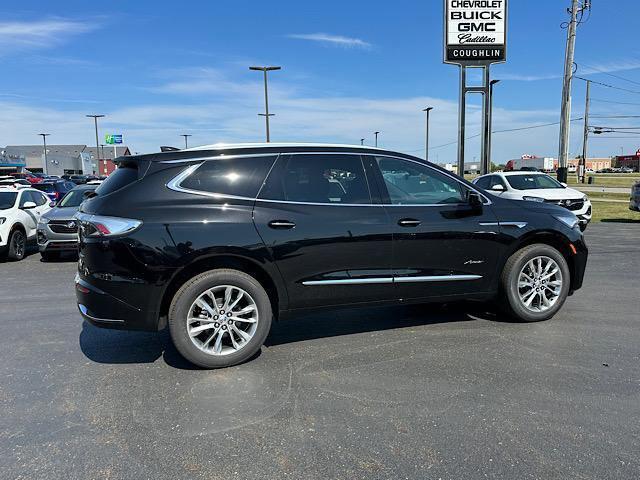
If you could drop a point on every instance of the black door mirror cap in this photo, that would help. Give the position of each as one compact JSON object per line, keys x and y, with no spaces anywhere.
{"x":474,"y":199}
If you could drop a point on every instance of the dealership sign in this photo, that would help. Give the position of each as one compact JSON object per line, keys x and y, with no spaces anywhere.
{"x":475,"y":32}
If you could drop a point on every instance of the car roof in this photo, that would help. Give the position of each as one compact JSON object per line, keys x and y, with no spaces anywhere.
{"x":84,"y":186}
{"x":233,"y":146}
{"x":522,"y":172}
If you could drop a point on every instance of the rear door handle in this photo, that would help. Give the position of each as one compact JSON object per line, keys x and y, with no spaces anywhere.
{"x":281,"y":224}
{"x":409,"y":222}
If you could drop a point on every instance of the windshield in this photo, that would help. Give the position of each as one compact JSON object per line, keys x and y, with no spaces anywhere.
{"x":75,"y":197}
{"x":7,"y":200}
{"x":532,"y":182}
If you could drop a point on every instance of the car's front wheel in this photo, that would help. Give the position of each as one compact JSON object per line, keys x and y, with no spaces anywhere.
{"x":220,"y":318}
{"x":17,"y":245}
{"x":535,"y":282}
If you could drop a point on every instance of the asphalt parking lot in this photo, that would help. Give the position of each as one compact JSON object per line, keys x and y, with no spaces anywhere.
{"x":409,"y":392}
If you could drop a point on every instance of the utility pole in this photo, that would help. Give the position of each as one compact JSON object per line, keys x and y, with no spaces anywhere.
{"x":95,"y":121}
{"x":186,"y":136}
{"x":426,"y":143}
{"x":376,"y":134}
{"x":266,"y":113}
{"x":44,"y":141}
{"x":565,"y":115}
{"x":585,"y":140}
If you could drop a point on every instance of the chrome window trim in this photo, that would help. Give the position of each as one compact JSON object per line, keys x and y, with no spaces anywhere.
{"x":378,"y":280}
{"x":174,"y":184}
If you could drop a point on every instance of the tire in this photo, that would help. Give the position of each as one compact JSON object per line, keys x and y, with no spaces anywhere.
{"x":50,"y":256}
{"x":17,"y":245}
{"x":518,"y":290}
{"x":200,"y":349}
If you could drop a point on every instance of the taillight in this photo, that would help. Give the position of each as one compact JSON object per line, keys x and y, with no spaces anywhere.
{"x":100,"y":226}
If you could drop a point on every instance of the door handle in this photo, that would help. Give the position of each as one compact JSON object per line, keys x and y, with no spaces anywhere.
{"x":409,"y":222}
{"x":281,"y":224}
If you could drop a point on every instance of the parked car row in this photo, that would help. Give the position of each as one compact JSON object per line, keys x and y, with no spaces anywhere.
{"x":618,"y":170}
{"x":41,"y":213}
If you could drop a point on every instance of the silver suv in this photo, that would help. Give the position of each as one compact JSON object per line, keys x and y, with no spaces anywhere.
{"x":57,"y":229}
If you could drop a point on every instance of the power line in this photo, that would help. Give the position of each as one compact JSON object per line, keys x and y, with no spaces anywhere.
{"x":615,"y":116}
{"x":608,"y":85}
{"x":529,"y":127}
{"x":613,"y":101}
{"x":611,"y":74}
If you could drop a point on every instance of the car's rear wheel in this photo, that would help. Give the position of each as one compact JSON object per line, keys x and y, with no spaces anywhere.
{"x":535,"y":282}
{"x":17,"y":245}
{"x":220,"y":318}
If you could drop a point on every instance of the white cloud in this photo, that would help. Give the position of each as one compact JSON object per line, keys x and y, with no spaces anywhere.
{"x":527,"y":78}
{"x":337,"y":40}
{"x":17,"y":35}
{"x":227,"y":112}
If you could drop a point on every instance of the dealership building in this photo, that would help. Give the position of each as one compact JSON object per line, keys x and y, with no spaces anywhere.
{"x":61,"y":159}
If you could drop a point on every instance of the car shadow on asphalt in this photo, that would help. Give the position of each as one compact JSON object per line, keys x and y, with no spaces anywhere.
{"x":130,"y":347}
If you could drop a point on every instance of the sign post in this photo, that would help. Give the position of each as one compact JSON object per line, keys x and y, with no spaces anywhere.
{"x":475,"y":36}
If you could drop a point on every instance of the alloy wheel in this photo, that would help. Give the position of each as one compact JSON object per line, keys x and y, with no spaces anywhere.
{"x":19,"y":243}
{"x":222,"y":320}
{"x":539,"y":284}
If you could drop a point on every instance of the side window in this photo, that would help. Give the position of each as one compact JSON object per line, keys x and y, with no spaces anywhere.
{"x":496,"y":180}
{"x":241,"y":177}
{"x":25,"y":197}
{"x":484,"y":182}
{"x":338,"y":179}
{"x":39,"y":198}
{"x":411,"y":183}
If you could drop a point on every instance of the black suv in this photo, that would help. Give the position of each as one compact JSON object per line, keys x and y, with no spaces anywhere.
{"x":219,"y":241}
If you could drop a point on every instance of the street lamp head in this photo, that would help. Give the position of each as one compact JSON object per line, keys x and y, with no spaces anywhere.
{"x":44,"y":134}
{"x":493,"y":82}
{"x":94,"y":116}
{"x":428,"y":109}
{"x":376,"y":133}
{"x":265,"y":69}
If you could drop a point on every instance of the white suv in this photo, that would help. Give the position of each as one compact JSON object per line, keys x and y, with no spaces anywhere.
{"x":537,"y":187}
{"x":20,"y":210}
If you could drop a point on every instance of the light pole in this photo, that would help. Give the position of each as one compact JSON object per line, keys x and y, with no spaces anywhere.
{"x":266,"y":113}
{"x":186,"y":136}
{"x":95,"y":121}
{"x":44,"y":141}
{"x":490,"y":126}
{"x":362,"y":141}
{"x":376,"y":134}
{"x":426,"y":142}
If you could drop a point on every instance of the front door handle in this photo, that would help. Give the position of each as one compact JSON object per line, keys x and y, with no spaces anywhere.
{"x":409,"y":222}
{"x":281,"y":224}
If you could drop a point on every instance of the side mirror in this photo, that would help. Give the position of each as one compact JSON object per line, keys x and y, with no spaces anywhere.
{"x":29,"y":205}
{"x":52,"y":204}
{"x":498,"y":188}
{"x":474,"y":200}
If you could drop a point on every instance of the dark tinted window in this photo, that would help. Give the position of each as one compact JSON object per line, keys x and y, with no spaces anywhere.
{"x":338,"y":179}
{"x":26,"y":197}
{"x":121,"y":177}
{"x":483,"y":182}
{"x":412,"y":183}
{"x":241,"y":177}
{"x":45,"y":187}
{"x":75,"y":197}
{"x":39,"y":198}
{"x":7,"y":200}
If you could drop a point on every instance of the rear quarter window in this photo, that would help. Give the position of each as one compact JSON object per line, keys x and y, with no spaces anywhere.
{"x":120,"y":178}
{"x":241,"y":177}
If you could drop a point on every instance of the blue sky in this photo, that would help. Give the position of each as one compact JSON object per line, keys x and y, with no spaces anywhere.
{"x":158,"y":69}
